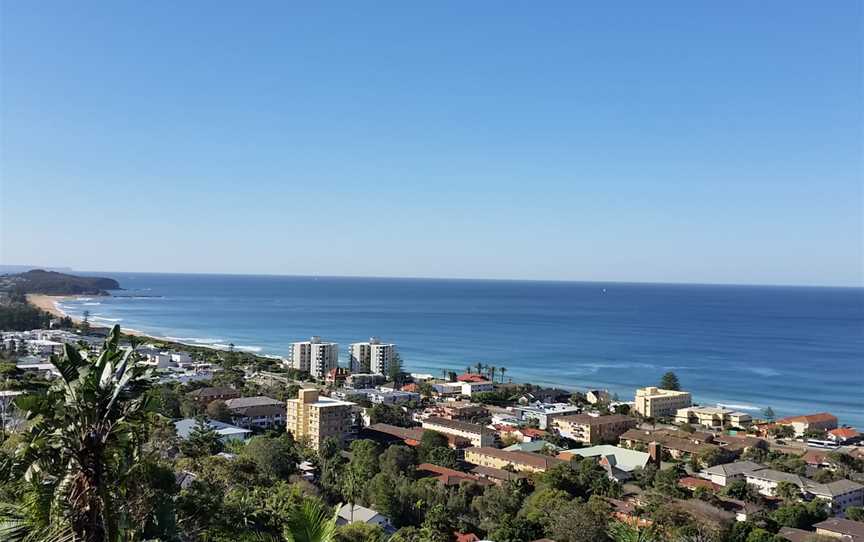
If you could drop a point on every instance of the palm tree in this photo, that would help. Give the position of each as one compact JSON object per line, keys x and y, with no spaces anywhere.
{"x":351,"y":489}
{"x":622,"y":532}
{"x":502,"y":370}
{"x":468,"y":369}
{"x":310,"y":522}
{"x":83,"y":434}
{"x":479,"y":367}
{"x":492,"y":370}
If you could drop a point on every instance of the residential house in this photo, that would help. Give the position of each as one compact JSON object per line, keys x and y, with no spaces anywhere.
{"x":844,"y":435}
{"x":593,"y":429}
{"x":843,"y":529}
{"x":391,"y":397}
{"x":410,"y":436}
{"x":458,"y":410}
{"x":478,"y":435}
{"x":205,"y":396}
{"x":517,"y":461}
{"x":447,"y":477}
{"x":336,"y":376}
{"x":354,"y":513}
{"x":838,"y":495}
{"x":261,"y":411}
{"x":822,"y":421}
{"x":545,"y":395}
{"x":597,"y":397}
{"x":364,"y":380}
{"x":619,"y":463}
{"x":724,"y":474}
{"x":226,"y":432}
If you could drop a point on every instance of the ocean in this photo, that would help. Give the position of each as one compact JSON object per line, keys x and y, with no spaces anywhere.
{"x":796,"y":349}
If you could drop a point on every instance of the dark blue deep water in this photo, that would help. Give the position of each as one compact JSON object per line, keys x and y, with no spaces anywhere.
{"x":795,"y":349}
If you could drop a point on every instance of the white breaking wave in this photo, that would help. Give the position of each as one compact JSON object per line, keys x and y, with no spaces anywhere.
{"x":739,"y":407}
{"x":104,"y":319}
{"x":96,"y":303}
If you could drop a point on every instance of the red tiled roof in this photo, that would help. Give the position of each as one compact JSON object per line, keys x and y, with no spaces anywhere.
{"x":410,"y":388}
{"x":465,"y":537}
{"x":449,"y":477}
{"x":810,"y":418}
{"x":692,"y":483}
{"x":844,"y":432}
{"x":471,"y":377}
{"x":530,"y":432}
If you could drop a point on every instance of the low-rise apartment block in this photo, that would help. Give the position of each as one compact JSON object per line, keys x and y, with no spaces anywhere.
{"x":372,"y":357}
{"x":262,"y":412}
{"x":458,"y":410}
{"x":838,"y":495}
{"x":544,"y":413}
{"x":313,"y":356}
{"x":316,"y":418}
{"x":714,"y":417}
{"x":591,"y":429}
{"x":653,"y":402}
{"x":478,"y":435}
{"x":204,"y":396}
{"x":504,"y":460}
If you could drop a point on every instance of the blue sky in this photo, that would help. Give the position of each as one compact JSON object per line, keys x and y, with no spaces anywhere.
{"x":671,"y":142}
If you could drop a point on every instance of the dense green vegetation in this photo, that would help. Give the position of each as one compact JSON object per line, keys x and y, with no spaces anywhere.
{"x":16,"y":314}
{"x":38,"y":281}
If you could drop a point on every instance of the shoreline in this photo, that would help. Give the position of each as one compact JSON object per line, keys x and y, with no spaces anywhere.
{"x":50,"y":304}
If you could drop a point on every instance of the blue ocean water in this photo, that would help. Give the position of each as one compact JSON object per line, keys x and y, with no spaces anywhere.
{"x":794,"y":349}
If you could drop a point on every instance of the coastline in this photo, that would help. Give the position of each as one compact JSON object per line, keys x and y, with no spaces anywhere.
{"x":49,"y":304}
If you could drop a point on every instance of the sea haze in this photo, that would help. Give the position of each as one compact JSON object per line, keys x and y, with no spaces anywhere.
{"x":794,"y":349}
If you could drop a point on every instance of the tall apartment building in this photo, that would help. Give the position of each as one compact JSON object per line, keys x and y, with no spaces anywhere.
{"x":313,"y":356}
{"x":315,"y":418}
{"x":372,"y":357}
{"x":655,"y":402}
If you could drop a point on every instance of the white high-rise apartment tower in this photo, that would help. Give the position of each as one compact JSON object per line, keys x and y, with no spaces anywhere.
{"x":314,"y":356}
{"x":371,"y":357}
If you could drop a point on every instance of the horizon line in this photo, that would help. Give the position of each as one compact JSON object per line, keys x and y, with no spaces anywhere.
{"x":477,"y":279}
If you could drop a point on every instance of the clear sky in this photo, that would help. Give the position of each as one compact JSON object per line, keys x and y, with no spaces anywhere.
{"x":645,"y":141}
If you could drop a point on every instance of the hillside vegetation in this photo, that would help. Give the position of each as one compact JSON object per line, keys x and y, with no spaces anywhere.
{"x":38,"y":281}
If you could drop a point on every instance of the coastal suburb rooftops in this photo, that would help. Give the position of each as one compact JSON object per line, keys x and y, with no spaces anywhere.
{"x":588,"y":419}
{"x":244,"y":402}
{"x":538,"y":461}
{"x":821,"y":417}
{"x":733,"y":469}
{"x":459,"y":425}
{"x":846,"y":527}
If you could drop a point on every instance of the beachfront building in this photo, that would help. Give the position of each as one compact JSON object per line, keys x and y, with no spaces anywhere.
{"x":372,"y":357}
{"x":822,"y":421}
{"x":515,"y":461}
{"x":653,"y":402}
{"x":313,"y":356}
{"x":713,"y":417}
{"x":315,"y":418}
{"x":478,"y":435}
{"x":593,"y":429}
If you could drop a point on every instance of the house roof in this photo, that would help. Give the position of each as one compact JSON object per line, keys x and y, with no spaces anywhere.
{"x":844,"y":432}
{"x":795,"y":535}
{"x":185,"y":427}
{"x":497,"y":474}
{"x":833,"y":489}
{"x":213,"y":392}
{"x":361,"y":513}
{"x":848,"y":527}
{"x":531,"y":446}
{"x":471,"y":377}
{"x":449,"y":477}
{"x":692,"y":483}
{"x":459,"y":425}
{"x":622,"y":459}
{"x":821,"y":417}
{"x":733,"y":469}
{"x":261,"y":400}
{"x":588,"y":419}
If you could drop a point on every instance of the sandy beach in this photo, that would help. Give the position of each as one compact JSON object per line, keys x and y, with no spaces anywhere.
{"x":48,"y":303}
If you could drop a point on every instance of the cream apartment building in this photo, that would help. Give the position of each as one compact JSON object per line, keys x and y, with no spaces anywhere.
{"x":714,"y":417}
{"x":652,"y":402}
{"x":313,"y":356}
{"x":372,"y":357}
{"x":315,"y":418}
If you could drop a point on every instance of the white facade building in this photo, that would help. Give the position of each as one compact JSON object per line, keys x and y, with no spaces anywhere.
{"x":313,"y":356}
{"x":371,"y":357}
